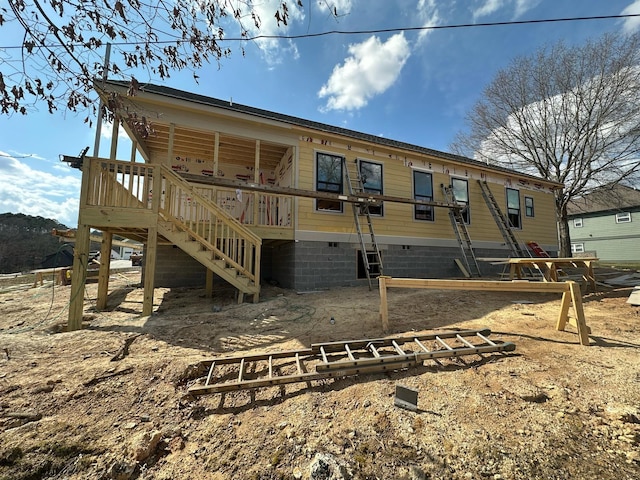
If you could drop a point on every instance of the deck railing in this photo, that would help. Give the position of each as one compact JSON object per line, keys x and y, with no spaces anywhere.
{"x":210,"y":225}
{"x":120,"y":184}
{"x":130,"y":185}
{"x":274,"y":210}
{"x":113,"y":183}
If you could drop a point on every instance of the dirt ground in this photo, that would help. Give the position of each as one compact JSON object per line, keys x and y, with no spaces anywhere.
{"x":79,"y":405}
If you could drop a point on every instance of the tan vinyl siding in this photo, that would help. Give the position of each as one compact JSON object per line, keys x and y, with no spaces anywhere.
{"x":398,"y":219}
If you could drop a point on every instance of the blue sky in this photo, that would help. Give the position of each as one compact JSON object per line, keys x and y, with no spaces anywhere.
{"x":413,"y":86}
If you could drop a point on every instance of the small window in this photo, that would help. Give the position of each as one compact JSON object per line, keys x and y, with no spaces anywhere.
{"x":577,"y":222}
{"x":328,"y":179}
{"x":371,"y":175}
{"x":528,"y":207}
{"x":460,"y":189}
{"x":624,"y":217}
{"x":513,"y":208}
{"x":423,"y":191}
{"x":577,"y":247}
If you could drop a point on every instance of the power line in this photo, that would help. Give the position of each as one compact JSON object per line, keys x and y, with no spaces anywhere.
{"x":373,"y":31}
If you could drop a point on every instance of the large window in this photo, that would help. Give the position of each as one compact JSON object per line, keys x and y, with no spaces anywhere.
{"x":423,"y":190}
{"x":460,"y":189}
{"x":528,"y":207}
{"x":371,"y":175}
{"x":328,"y":179}
{"x":513,"y":208}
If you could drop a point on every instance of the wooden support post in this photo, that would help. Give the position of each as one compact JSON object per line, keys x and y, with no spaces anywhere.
{"x":209,"y":284}
{"x":581,"y":323}
{"x":113,"y":153}
{"x":80,"y":253}
{"x":103,"y":274}
{"x":384,"y":310}
{"x":78,"y":278}
{"x":149,"y":270}
{"x":256,"y":179}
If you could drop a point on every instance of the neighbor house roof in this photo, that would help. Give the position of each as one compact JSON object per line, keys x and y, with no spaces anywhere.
{"x":318,"y":126}
{"x":608,"y":198}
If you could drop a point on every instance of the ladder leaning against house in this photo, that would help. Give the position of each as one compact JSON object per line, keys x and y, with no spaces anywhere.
{"x":501,"y":221}
{"x":371,"y":260}
{"x":461,"y":232}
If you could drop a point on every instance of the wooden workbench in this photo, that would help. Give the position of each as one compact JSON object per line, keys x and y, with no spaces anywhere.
{"x":551,"y":266}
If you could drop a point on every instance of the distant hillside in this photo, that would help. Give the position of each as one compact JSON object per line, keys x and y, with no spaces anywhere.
{"x":25,"y":241}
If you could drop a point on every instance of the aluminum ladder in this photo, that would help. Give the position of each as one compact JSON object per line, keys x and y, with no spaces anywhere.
{"x":501,"y":221}
{"x":355,"y":185}
{"x":462,"y":234}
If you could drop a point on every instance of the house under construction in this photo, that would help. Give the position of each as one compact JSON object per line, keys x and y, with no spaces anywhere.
{"x":219,"y":191}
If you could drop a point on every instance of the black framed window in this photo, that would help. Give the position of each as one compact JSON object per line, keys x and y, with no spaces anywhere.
{"x":528,"y":207}
{"x":460,"y":188}
{"x":513,"y":208}
{"x":423,"y":190}
{"x":371,"y":175}
{"x":328,"y":179}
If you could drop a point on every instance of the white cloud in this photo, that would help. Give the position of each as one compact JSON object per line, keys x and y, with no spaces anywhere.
{"x":428,"y":16}
{"x":370,"y":70}
{"x":631,"y":24}
{"x":487,"y":8}
{"x":272,"y":49}
{"x":519,"y":7}
{"x":341,"y":7}
{"x":36,"y":192}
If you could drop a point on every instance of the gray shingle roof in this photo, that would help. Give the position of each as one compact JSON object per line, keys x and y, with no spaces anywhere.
{"x":609,"y":198}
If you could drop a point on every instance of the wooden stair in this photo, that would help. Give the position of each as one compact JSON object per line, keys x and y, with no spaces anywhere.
{"x":190,"y":243}
{"x":207,"y":233}
{"x":190,"y":221}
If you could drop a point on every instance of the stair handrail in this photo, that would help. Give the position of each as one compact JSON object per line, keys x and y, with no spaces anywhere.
{"x":218,"y":211}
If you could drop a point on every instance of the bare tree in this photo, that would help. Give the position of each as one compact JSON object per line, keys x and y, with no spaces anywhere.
{"x":58,"y":52}
{"x":567,"y":114}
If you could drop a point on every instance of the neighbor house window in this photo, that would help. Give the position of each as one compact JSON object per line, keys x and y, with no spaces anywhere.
{"x":513,"y":208}
{"x":328,"y":179}
{"x":528,"y":207}
{"x":423,"y":191}
{"x":624,"y":217}
{"x":371,"y":176}
{"x":460,"y":189}
{"x":577,"y":222}
{"x":577,"y":247}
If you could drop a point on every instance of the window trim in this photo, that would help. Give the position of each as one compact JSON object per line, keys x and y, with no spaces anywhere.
{"x":623,"y":217}
{"x":415,"y":207}
{"x":529,"y":208}
{"x":511,"y":225}
{"x":466,"y":212}
{"x":316,"y":181}
{"x":574,"y":248}
{"x":374,"y":191}
{"x":578,"y":222}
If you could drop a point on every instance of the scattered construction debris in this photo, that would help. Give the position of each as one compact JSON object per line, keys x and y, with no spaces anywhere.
{"x":406,"y":398}
{"x":340,"y":359}
{"x":634,"y":298}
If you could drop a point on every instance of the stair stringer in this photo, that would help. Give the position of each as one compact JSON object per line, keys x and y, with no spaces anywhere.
{"x":185,"y":240}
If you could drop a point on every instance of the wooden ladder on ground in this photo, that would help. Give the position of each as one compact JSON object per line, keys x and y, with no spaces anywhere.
{"x":502,"y":222}
{"x":372,"y":259}
{"x":462,"y":234}
{"x":340,"y":359}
